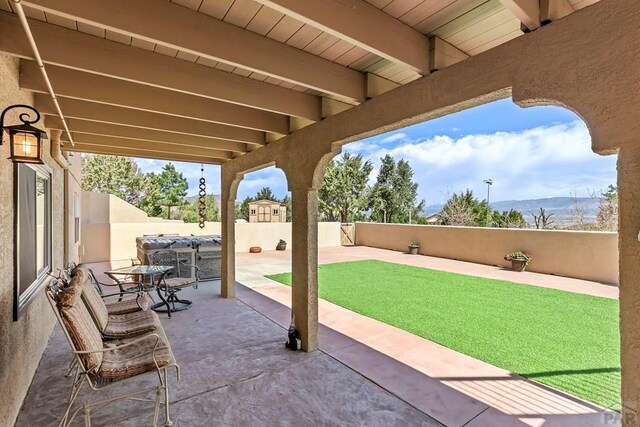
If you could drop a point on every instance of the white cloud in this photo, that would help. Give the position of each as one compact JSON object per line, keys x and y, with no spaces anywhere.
{"x":547,"y":161}
{"x":541,"y":162}
{"x":393,"y":137}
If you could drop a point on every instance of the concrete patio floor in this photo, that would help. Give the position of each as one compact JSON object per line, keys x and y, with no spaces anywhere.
{"x":236,"y":372}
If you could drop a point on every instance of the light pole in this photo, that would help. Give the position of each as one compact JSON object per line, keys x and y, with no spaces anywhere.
{"x":489,"y":183}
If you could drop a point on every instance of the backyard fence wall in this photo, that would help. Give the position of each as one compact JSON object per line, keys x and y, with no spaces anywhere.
{"x":117,"y":240}
{"x":585,"y":255}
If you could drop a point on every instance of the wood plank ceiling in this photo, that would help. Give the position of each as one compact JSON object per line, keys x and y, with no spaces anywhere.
{"x":209,"y":80}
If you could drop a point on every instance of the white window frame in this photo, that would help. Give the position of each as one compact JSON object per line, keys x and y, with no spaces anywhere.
{"x":22,"y":299}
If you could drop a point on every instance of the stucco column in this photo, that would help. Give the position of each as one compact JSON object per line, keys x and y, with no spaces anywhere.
{"x":304,"y":264}
{"x":629,"y":249}
{"x":228,"y":231}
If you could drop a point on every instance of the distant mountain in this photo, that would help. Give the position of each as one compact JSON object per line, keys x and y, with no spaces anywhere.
{"x":562,"y":208}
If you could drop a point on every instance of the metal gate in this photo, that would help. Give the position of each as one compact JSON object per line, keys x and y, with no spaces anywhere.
{"x":347,"y":234}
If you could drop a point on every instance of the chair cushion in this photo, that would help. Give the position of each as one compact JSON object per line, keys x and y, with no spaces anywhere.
{"x":136,"y":359}
{"x":78,"y":322}
{"x":177,"y":282}
{"x":129,"y":305}
{"x":132,"y":324}
{"x":95,"y":304}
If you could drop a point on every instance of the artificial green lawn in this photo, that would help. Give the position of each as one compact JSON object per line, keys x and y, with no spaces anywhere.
{"x":566,"y":340}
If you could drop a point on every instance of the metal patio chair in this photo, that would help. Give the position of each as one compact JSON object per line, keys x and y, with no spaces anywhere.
{"x":183,"y":275}
{"x":139,"y":299}
{"x":103,"y":366}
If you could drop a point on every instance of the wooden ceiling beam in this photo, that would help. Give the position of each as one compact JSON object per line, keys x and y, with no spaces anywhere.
{"x":97,"y":149}
{"x":178,"y":27}
{"x":92,"y":87}
{"x":527,"y":12}
{"x":444,"y":54}
{"x":104,"y":113}
{"x":108,"y":129}
{"x":147,"y":148}
{"x":79,"y":51}
{"x":363,"y":25}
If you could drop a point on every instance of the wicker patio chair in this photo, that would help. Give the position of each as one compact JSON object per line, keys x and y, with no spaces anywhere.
{"x":182,"y":276}
{"x":113,"y":326}
{"x":103,"y":365}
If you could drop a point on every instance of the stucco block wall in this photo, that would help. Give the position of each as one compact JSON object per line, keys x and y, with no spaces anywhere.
{"x":102,"y":208}
{"x":22,"y":342}
{"x":583,"y":255}
{"x":117,"y":241}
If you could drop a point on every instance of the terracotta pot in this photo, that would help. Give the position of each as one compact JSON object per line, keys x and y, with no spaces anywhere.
{"x":281,"y":247}
{"x":255,"y":249}
{"x":413,"y":250}
{"x":517,"y":265}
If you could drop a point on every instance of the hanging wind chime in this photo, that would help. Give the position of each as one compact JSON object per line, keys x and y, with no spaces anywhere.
{"x":202,"y":204}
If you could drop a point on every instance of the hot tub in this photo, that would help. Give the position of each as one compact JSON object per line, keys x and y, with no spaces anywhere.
{"x":203,"y":251}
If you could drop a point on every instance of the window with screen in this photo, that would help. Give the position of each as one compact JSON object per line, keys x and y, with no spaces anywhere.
{"x":33,"y":231}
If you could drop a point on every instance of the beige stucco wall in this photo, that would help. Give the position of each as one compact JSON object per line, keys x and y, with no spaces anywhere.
{"x":102,"y":208}
{"x":117,"y":241}
{"x":22,"y":342}
{"x":581,"y":254}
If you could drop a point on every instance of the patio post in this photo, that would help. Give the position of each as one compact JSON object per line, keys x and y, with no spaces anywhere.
{"x":629,"y":252}
{"x":304,"y":264}
{"x":229,"y":186}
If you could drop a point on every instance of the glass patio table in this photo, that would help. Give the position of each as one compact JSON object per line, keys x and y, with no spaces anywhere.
{"x":155,"y":273}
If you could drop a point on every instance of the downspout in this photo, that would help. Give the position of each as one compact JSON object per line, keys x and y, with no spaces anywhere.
{"x":17,"y":6}
{"x":56,"y":153}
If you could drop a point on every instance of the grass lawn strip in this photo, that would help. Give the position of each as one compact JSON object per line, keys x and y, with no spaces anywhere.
{"x":565,"y":340}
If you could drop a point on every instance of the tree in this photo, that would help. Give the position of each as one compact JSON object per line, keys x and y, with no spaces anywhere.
{"x":343,"y":192}
{"x":151,"y":202}
{"x":191,"y":212}
{"x":580,"y":216}
{"x":543,"y":220}
{"x":464,"y":210}
{"x":394,"y":195}
{"x":608,"y":209}
{"x":406,"y":193}
{"x":242,"y":210}
{"x":509,"y":219}
{"x":286,"y":201}
{"x":173,"y":187}
{"x":266,"y":193}
{"x":115,"y":175}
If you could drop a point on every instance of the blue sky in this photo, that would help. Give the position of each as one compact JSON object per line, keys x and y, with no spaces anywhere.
{"x":529,"y":153}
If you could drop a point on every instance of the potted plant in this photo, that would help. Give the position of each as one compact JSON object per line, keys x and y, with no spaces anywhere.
{"x":281,"y":246}
{"x":519,"y":260}
{"x":413,"y":248}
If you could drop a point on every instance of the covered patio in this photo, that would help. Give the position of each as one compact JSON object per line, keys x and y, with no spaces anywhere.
{"x":235,"y":371}
{"x":251,"y":84}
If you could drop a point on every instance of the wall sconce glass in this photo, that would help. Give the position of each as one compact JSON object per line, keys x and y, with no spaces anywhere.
{"x":25,"y":140}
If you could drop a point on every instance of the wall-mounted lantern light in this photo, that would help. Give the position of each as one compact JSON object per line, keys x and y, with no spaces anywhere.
{"x":25,"y":140}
